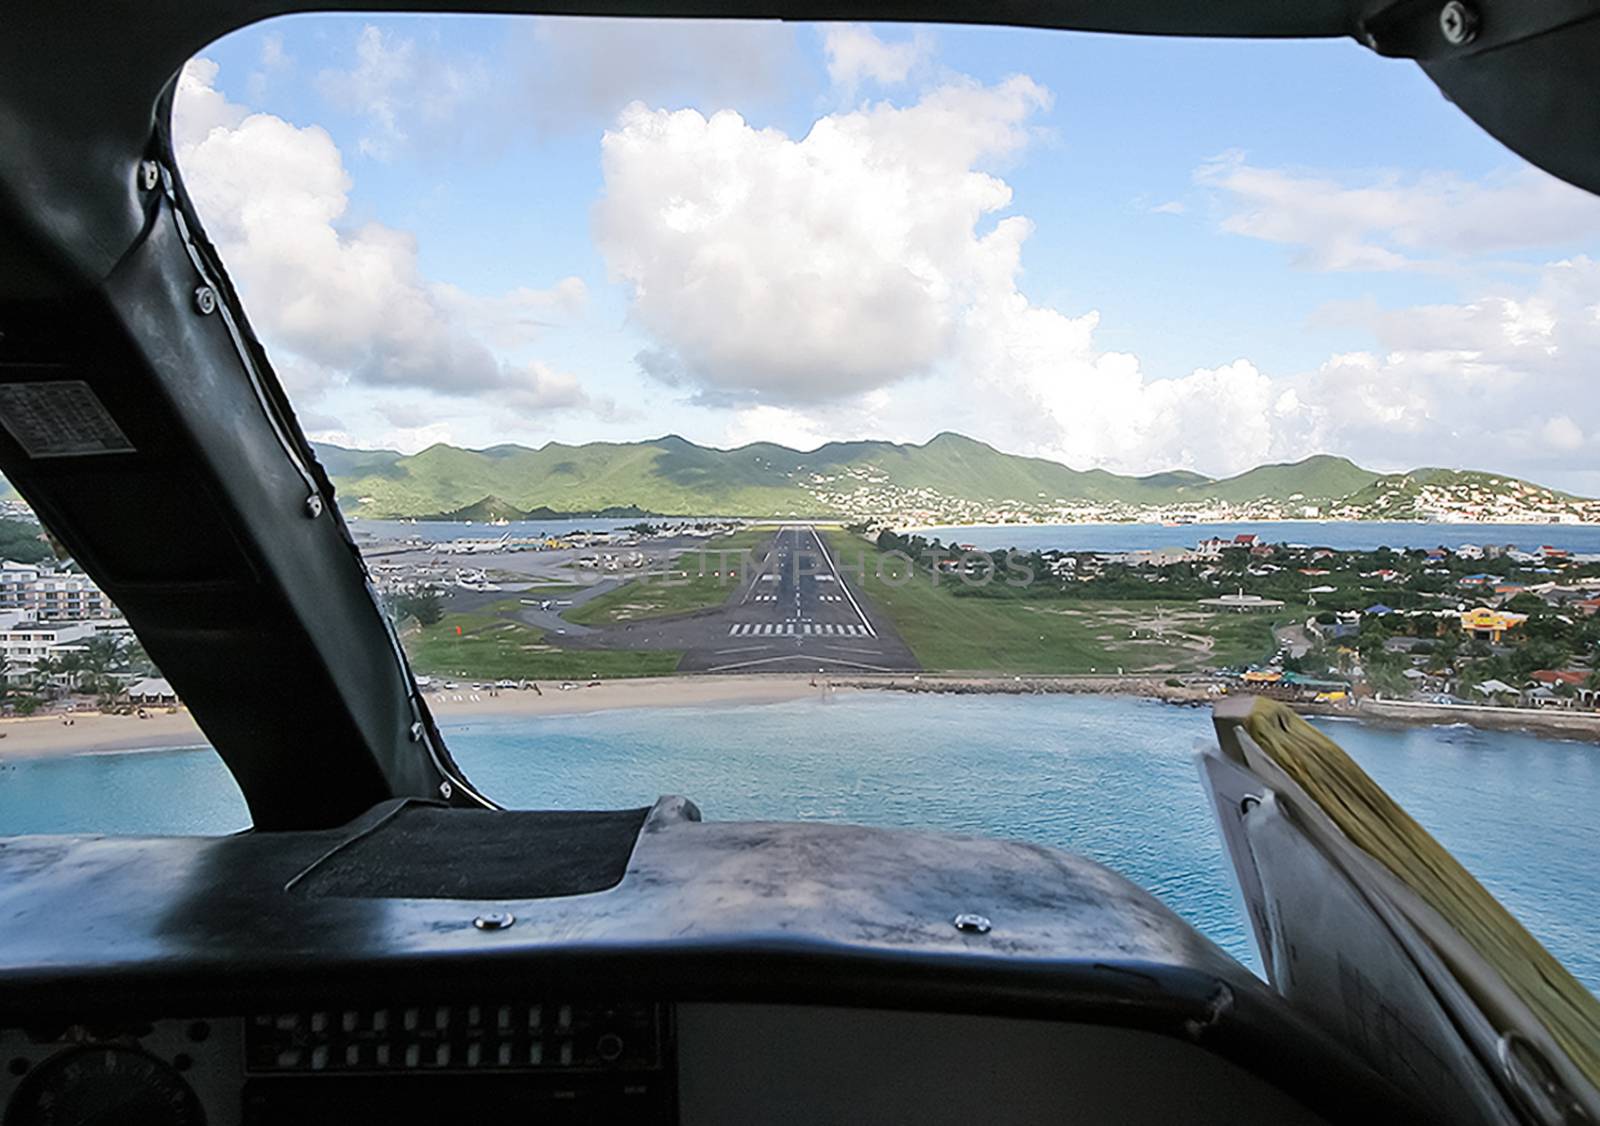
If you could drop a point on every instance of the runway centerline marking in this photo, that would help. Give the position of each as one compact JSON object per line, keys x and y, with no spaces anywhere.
{"x":844,"y":586}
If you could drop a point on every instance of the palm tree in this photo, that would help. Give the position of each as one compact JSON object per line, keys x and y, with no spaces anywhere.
{"x":43,"y":669}
{"x":103,"y":651}
{"x":70,"y":666}
{"x":103,"y":654}
{"x":133,"y":658}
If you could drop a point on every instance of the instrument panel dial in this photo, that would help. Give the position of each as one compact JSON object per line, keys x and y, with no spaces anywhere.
{"x":104,"y":1085}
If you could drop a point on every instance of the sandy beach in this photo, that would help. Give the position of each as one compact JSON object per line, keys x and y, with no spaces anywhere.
{"x":93,"y":733}
{"x":685,"y":691}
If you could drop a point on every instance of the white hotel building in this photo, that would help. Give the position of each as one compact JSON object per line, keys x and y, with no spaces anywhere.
{"x":51,"y":596}
{"x":45,"y":613}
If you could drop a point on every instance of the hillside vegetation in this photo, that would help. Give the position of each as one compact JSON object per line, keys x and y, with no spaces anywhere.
{"x":949,"y":474}
{"x":1422,"y":492}
{"x":21,"y":542}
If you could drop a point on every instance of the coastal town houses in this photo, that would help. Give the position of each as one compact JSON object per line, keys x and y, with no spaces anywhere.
{"x":152,"y":692}
{"x":47,"y":617}
{"x":16,"y":580}
{"x":1424,"y":681}
{"x":1489,"y":625}
{"x":51,"y":596}
{"x":1497,"y":691}
{"x":26,"y":642}
{"x":1213,"y":547}
{"x":69,"y":598}
{"x":1345,"y":623}
{"x":1563,"y":688}
{"x":23,"y":644}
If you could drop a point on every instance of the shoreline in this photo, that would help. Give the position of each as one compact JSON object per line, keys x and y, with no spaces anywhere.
{"x":96,"y":733}
{"x":93,"y":733}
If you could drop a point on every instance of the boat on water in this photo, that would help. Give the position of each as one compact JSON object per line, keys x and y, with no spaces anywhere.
{"x":387,"y":945}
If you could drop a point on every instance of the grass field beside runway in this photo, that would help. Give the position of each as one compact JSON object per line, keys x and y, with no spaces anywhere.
{"x":488,"y":644}
{"x":951,"y":633}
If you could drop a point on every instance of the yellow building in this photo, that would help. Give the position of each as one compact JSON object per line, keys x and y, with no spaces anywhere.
{"x":1487,"y":624}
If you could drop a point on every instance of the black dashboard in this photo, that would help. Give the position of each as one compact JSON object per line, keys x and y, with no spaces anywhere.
{"x":542,"y":1060}
{"x":424,"y":964}
{"x":550,"y":1062}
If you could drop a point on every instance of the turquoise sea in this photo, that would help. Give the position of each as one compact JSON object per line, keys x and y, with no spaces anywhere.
{"x":1113,"y":779}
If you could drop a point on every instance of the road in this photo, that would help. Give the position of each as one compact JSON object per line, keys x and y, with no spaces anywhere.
{"x":1293,"y":636}
{"x":798,"y":612}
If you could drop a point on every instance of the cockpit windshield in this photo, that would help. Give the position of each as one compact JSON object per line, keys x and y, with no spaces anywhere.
{"x":898,"y":424}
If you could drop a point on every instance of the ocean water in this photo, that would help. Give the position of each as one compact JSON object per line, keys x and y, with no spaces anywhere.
{"x":1342,"y":535}
{"x":1112,"y":779}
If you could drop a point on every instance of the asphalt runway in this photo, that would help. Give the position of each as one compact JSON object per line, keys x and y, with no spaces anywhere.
{"x":796,"y":610}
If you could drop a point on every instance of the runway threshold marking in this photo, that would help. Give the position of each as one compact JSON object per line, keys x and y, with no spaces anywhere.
{"x":802,"y":629}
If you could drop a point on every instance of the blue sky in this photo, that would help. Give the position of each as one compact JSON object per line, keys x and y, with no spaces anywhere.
{"x":1127,"y":252}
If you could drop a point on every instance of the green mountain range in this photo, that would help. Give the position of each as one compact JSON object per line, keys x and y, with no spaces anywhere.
{"x":950,"y":475}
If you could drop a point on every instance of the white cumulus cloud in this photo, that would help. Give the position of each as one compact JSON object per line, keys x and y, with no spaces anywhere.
{"x":398,"y":84}
{"x":864,"y":279}
{"x":799,"y":270}
{"x":855,"y":55}
{"x":1505,"y":378}
{"x":341,"y":304}
{"x":1392,"y":222}
{"x":1562,"y":434}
